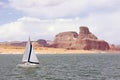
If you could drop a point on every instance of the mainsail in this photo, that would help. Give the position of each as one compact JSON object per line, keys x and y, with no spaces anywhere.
{"x":29,"y":55}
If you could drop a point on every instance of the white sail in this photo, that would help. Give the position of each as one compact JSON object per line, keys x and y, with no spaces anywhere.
{"x":33,"y":57}
{"x":29,"y":55}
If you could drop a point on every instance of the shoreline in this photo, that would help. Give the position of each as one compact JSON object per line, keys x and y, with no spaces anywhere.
{"x":45,"y":50}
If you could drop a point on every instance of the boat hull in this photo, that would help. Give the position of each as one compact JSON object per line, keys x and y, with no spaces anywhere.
{"x":28,"y":65}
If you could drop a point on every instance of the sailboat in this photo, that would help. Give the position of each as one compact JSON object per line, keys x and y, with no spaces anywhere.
{"x":29,"y":58}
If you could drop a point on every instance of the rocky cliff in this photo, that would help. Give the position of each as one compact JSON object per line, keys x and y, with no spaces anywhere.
{"x":65,"y":39}
{"x":84,"y":40}
{"x":86,"y":34}
{"x":40,"y":43}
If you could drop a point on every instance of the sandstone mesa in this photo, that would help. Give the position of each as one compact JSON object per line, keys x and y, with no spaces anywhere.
{"x":85,"y":40}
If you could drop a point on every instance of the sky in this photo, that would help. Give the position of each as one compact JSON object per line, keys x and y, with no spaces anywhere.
{"x":43,"y":19}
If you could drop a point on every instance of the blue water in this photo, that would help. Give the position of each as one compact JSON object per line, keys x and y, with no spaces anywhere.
{"x":63,"y":67}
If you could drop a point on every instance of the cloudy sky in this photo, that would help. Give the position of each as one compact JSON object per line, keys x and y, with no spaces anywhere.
{"x":43,"y":19}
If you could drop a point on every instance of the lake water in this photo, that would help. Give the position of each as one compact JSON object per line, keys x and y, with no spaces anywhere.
{"x":63,"y":67}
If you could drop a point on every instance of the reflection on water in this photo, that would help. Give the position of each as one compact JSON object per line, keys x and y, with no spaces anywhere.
{"x":63,"y":67}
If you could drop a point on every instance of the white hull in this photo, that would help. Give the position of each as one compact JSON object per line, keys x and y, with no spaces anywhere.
{"x":28,"y":65}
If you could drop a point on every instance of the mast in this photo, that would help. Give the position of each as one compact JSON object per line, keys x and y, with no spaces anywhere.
{"x":30,"y":52}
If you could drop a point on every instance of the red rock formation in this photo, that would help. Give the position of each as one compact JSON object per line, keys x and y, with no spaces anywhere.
{"x":40,"y":43}
{"x":115,"y":47}
{"x":88,"y":44}
{"x":65,"y":39}
{"x":85,"y":33}
{"x":88,"y":41}
{"x":85,"y":40}
{"x":18,"y":43}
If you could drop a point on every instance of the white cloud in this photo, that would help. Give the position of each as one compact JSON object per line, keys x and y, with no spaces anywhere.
{"x":105,"y":27}
{"x":64,"y":8}
{"x":34,"y":27}
{"x":10,"y":31}
{"x":49,"y":17}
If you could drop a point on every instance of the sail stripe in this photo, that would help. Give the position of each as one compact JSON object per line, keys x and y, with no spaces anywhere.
{"x":30,"y":52}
